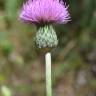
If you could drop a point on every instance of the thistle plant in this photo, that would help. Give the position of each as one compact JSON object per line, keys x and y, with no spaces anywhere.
{"x":45,"y":13}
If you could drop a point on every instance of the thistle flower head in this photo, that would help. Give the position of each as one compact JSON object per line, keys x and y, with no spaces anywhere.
{"x":45,"y":11}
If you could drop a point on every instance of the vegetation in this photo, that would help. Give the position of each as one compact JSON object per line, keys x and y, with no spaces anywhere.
{"x":22,"y":69}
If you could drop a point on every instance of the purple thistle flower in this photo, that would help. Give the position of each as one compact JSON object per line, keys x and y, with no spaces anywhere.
{"x":45,"y":11}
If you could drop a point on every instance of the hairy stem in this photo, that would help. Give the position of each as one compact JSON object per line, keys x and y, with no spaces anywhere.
{"x":48,"y":74}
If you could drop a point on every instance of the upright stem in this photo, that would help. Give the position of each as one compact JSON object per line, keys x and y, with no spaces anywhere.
{"x":48,"y":74}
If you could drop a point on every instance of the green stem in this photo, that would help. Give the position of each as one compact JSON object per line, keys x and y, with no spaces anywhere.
{"x":48,"y":74}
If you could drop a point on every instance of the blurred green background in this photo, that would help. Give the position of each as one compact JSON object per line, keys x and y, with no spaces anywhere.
{"x":22,"y":68}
